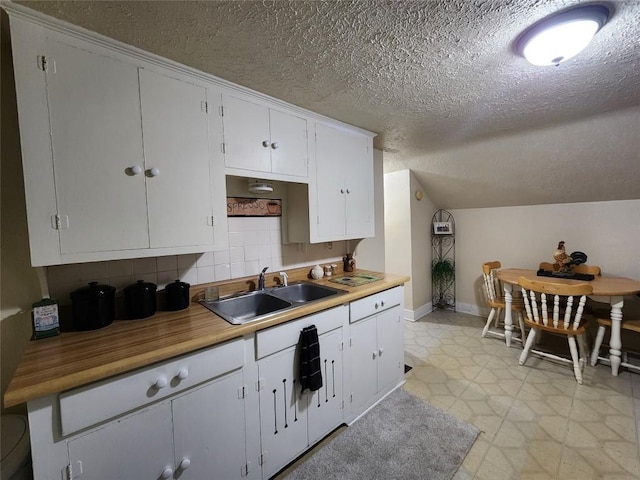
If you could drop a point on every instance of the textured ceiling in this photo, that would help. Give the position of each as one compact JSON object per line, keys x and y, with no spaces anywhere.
{"x":438,"y":81}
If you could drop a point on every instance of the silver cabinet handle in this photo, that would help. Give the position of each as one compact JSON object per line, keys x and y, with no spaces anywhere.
{"x":153,"y":172}
{"x":274,"y":145}
{"x":265,"y":143}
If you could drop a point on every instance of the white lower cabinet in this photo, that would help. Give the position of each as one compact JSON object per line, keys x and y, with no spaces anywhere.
{"x":376,"y":348}
{"x":290,"y":420}
{"x":187,"y":438}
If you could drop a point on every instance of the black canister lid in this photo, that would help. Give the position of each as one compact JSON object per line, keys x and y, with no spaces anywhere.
{"x":93,"y":290}
{"x":141,"y":286}
{"x":177,"y":285}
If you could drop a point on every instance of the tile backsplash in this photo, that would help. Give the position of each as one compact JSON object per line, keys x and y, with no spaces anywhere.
{"x":254,"y":243}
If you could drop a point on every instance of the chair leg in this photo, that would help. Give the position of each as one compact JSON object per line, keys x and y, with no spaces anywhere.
{"x":597,"y":345}
{"x":583,"y":349}
{"x":576,"y":361}
{"x":488,"y":324}
{"x":499,"y":312}
{"x":521,"y":324}
{"x":527,"y":347}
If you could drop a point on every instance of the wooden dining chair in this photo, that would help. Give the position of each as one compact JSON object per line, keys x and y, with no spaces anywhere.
{"x":558,"y":309}
{"x":630,"y":323}
{"x":495,"y":299}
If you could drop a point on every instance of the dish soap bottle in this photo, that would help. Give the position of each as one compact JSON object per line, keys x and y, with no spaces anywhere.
{"x":46,"y":321}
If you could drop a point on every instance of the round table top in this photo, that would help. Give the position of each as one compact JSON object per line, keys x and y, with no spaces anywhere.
{"x":603,"y":285}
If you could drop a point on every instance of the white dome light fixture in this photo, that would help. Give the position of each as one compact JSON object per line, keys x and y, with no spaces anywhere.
{"x":260,"y":187}
{"x":560,"y":37}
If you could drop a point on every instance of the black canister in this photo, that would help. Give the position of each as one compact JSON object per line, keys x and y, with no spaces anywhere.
{"x":140,"y":300}
{"x":177,"y":295}
{"x":93,"y":306}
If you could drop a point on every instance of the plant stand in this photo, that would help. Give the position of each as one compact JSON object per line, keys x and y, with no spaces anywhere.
{"x":443,"y":260}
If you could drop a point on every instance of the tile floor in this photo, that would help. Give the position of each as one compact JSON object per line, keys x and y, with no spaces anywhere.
{"x":536,"y":421}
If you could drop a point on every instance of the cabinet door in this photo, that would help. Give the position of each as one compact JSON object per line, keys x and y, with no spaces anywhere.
{"x":139,"y":446}
{"x":390,"y":347}
{"x":209,"y":431}
{"x":247,"y":140}
{"x":288,"y":144}
{"x":325,"y":408}
{"x":94,"y":110}
{"x":359,"y":187}
{"x":283,"y":413}
{"x":174,"y":122}
{"x":331,"y":163}
{"x":364,"y":354}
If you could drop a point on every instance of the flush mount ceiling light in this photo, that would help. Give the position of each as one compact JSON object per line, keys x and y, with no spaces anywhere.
{"x":561,"y":36}
{"x":260,"y":187}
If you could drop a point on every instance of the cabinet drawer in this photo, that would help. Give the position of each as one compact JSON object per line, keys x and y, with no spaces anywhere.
{"x":280,"y":337}
{"x":91,"y":404}
{"x":376,"y":303}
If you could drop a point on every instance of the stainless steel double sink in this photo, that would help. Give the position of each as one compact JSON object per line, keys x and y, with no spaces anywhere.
{"x":248,"y":307}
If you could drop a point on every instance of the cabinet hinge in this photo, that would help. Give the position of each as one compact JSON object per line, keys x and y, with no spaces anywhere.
{"x":46,"y":64}
{"x":260,"y":384}
{"x":318,"y":219}
{"x":351,"y":398}
{"x":350,"y":342}
{"x":211,"y":220}
{"x":70,"y":471}
{"x":221,"y":110}
{"x":59,"y":222}
{"x":341,"y":346}
{"x":263,"y":458}
{"x":204,"y":106}
{"x":223,"y":148}
{"x":242,"y":392}
{"x":245,"y":469}
{"x":341,"y":404}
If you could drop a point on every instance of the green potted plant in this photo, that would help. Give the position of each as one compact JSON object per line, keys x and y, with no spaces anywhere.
{"x":443,"y":274}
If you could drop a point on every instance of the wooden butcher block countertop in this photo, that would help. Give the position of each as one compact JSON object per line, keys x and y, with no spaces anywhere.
{"x":73,"y":359}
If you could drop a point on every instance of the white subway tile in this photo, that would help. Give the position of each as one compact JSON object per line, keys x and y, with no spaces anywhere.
{"x":119,"y":268}
{"x":251,"y":238}
{"x":251,"y":252}
{"x":275,"y":237}
{"x":276,"y":250}
{"x":236,"y":239}
{"x":265,"y":252}
{"x":222,"y":272}
{"x":144,"y":266}
{"x":92,"y":270}
{"x":221,"y":257}
{"x":236,"y":254}
{"x":167,"y":264}
{"x":189,"y":275}
{"x":166,"y":277}
{"x":64,"y":274}
{"x":186,"y":262}
{"x":235,"y":224}
{"x":253,"y":268}
{"x":206,"y":274}
{"x":238,"y":270}
{"x":120,"y":282}
{"x":205,"y":259}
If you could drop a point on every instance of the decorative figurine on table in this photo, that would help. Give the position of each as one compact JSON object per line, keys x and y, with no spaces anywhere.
{"x":564,"y":261}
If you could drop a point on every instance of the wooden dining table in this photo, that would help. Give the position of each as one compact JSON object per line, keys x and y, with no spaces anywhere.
{"x":606,"y":289}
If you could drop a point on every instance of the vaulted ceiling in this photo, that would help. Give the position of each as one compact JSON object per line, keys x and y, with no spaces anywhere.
{"x":439,"y":81}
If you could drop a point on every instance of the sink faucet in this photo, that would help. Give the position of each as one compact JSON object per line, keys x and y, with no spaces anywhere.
{"x":261,"y":279}
{"x":285,"y":279}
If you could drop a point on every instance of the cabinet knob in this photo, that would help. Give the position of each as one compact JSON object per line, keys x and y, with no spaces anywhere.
{"x":342,"y":190}
{"x":161,"y":382}
{"x":348,"y":191}
{"x":184,"y":463}
{"x":167,"y":473}
{"x":376,"y":305}
{"x":375,"y":354}
{"x":380,"y":352}
{"x":274,"y":145}
{"x":382,"y":303}
{"x":153,"y":172}
{"x":266,"y":143}
{"x":135,"y":170}
{"x":183,"y":373}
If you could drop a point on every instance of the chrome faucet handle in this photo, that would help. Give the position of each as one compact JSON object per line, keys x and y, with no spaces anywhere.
{"x":285,"y":279}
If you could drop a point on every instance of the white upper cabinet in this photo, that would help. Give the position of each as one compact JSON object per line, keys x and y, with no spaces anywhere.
{"x":118,"y":161}
{"x":263,"y":142}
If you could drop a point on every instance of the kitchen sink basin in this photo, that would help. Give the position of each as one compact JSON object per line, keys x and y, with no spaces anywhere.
{"x":304,"y":292}
{"x":248,"y":307}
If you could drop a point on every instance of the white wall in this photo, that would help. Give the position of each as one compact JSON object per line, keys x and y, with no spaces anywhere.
{"x":370,"y":252}
{"x":522,"y":237}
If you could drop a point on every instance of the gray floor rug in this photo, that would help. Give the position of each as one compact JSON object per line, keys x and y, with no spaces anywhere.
{"x":401,"y":438}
